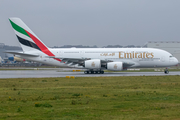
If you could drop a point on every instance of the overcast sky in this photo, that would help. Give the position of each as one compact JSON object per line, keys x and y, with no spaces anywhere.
{"x":93,"y":22}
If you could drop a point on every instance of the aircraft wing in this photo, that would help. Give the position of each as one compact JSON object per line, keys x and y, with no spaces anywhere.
{"x":74,"y":61}
{"x":80,"y":61}
{"x":22,"y":54}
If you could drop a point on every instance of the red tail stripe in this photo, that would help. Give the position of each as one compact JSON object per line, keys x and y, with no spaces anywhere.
{"x":57,"y":59}
{"x":43,"y":48}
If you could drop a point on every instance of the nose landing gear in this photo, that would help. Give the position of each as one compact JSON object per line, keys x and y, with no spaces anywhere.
{"x":166,"y":71}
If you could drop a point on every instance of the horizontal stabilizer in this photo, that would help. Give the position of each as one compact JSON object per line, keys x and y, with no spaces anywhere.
{"x":23,"y":54}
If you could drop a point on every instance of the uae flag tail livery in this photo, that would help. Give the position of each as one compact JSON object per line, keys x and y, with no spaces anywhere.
{"x":27,"y":39}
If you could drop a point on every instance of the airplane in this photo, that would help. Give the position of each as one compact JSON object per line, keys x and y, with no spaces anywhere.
{"x":16,"y":59}
{"x":1,"y":60}
{"x":94,"y":60}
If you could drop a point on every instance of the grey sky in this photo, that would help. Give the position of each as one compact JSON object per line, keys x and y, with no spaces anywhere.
{"x":93,"y":22}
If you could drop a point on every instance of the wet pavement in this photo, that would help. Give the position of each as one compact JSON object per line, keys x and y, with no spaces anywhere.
{"x":60,"y":73}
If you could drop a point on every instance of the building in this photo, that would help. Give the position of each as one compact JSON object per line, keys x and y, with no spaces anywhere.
{"x":172,"y":47}
{"x":4,"y":48}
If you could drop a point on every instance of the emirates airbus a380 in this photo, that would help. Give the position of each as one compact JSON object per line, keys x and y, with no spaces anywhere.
{"x":94,"y":60}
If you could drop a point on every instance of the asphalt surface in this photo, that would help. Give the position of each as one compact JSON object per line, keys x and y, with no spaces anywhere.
{"x":59,"y":73}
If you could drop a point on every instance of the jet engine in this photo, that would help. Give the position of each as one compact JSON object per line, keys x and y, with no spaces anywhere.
{"x":115,"y":66}
{"x":92,"y":64}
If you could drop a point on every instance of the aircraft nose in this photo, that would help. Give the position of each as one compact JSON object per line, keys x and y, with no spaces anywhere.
{"x":176,"y":61}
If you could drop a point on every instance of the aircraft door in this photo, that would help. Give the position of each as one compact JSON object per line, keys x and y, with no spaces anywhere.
{"x":82,"y":54}
{"x":60,"y":53}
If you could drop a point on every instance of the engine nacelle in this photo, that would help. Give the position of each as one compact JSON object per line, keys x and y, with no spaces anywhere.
{"x":92,"y":64}
{"x":115,"y":66}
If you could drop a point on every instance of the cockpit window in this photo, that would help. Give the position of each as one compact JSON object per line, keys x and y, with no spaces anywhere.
{"x":170,"y":56}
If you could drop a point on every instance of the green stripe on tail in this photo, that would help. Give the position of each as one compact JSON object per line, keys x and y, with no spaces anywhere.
{"x":18,"y":28}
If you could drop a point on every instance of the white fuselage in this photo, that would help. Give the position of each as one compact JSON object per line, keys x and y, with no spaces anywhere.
{"x":140,"y":57}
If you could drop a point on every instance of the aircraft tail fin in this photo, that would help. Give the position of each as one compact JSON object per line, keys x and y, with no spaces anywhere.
{"x":27,"y":39}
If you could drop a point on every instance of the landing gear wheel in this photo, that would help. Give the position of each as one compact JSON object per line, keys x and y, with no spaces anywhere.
{"x":93,"y":72}
{"x":86,"y":72}
{"x":166,"y":71}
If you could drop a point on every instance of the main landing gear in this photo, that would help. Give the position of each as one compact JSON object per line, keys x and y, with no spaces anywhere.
{"x":93,"y":72}
{"x":166,"y":71}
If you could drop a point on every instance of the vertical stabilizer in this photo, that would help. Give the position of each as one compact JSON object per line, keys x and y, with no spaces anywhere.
{"x":27,"y":39}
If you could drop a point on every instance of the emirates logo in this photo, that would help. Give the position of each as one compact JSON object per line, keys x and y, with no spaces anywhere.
{"x":93,"y":64}
{"x":115,"y":66}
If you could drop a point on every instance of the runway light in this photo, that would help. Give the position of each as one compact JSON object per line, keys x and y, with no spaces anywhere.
{"x":76,"y":70}
{"x":67,"y":76}
{"x":72,"y":77}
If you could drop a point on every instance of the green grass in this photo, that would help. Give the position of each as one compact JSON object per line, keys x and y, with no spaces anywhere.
{"x":97,"y":98}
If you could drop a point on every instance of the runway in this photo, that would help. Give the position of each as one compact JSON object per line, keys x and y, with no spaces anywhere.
{"x":57,"y":73}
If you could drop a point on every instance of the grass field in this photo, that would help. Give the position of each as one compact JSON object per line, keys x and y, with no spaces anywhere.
{"x":95,"y":98}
